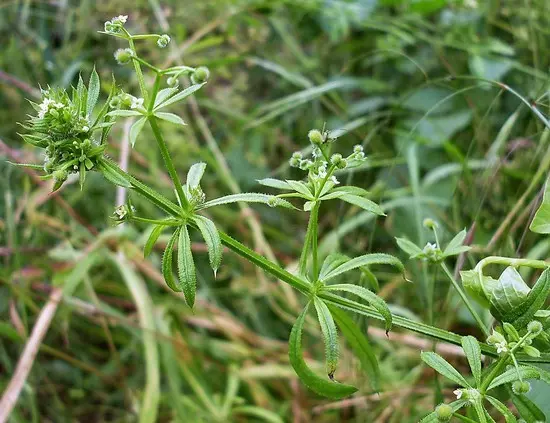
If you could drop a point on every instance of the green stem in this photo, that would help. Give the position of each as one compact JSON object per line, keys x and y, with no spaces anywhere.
{"x":139,"y":73}
{"x":156,"y":221}
{"x":168,"y":162}
{"x":310,"y":243}
{"x":508,"y":261}
{"x":303,"y":286}
{"x":465,"y":300}
{"x":494,"y":373}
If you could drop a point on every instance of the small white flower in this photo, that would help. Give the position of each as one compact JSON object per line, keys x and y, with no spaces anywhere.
{"x":458,"y":393}
{"x":334,"y":180}
{"x":136,"y":103}
{"x":501,"y":347}
{"x":120,"y":19}
{"x":85,"y":128}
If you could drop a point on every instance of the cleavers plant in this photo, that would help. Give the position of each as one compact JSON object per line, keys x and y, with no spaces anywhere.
{"x":73,"y":133}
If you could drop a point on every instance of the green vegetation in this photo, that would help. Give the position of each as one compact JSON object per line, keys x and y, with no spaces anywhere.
{"x":242,"y":291}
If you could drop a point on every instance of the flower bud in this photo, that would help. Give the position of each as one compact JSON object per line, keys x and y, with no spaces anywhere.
{"x":123,"y":55}
{"x":200,"y":75}
{"x":60,"y":175}
{"x":316,"y":137}
{"x":172,"y":81}
{"x":115,"y":102}
{"x":297,"y":155}
{"x":444,"y":412}
{"x":305,"y":164}
{"x":163,"y":40}
{"x":430,"y":223}
{"x":294,"y":162}
{"x":534,"y":327}
{"x":521,"y":387}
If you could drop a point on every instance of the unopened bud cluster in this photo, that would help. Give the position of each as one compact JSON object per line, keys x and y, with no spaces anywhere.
{"x":126,"y":101}
{"x":62,"y":128}
{"x":114,"y":26}
{"x":508,"y":339}
{"x":123,"y":213}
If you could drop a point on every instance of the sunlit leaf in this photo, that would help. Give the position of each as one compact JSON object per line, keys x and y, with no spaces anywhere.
{"x":330,"y":336}
{"x":364,"y":260}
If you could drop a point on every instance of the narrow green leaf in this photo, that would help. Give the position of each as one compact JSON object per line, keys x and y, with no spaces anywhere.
{"x":300,"y":187}
{"x":93,"y":92}
{"x":167,"y":263}
{"x":378,"y":303}
{"x":359,"y":344}
{"x":350,"y":189}
{"x":455,"y":245}
{"x":112,"y":176}
{"x":124,"y":113}
{"x":527,"y":409}
{"x":165,"y":94}
{"x":440,"y":365}
{"x":502,"y":409}
{"x":153,"y":237}
{"x":136,"y":128}
{"x":321,"y":386}
{"x":179,"y":96}
{"x":480,"y":411}
{"x":81,"y":175}
{"x":332,"y":261}
{"x":247,"y":197}
{"x":541,"y":221}
{"x":330,"y":336}
{"x":186,"y":267}
{"x":365,"y":260}
{"x":471,"y":348}
{"x":212,"y":239}
{"x":364,"y":203}
{"x":513,"y":374}
{"x":274,"y":183}
{"x":170,"y":117}
{"x":194,"y":176}
{"x":409,"y":247}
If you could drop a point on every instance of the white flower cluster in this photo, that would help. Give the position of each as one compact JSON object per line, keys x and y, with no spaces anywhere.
{"x":47,"y":105}
{"x":472,"y":395}
{"x":498,"y":340}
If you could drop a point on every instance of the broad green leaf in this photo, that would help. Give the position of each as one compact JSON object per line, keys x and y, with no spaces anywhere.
{"x":409,"y":247}
{"x":330,"y":336}
{"x":167,"y":262}
{"x":502,"y":409}
{"x":186,"y":267}
{"x":212,"y":239}
{"x":93,"y":92}
{"x":509,"y":292}
{"x":440,"y":365}
{"x":359,"y":344}
{"x":535,"y":300}
{"x":477,"y":287}
{"x":455,"y":245}
{"x":153,"y":237}
{"x":513,"y":374}
{"x":332,"y":261}
{"x":136,"y":128}
{"x":378,"y":303}
{"x":541,"y":221}
{"x":194,"y":176}
{"x":527,"y":410}
{"x":364,"y":260}
{"x":274,"y":183}
{"x":124,"y":113}
{"x":170,"y":117}
{"x":319,"y":385}
{"x":364,"y":203}
{"x":471,"y":348}
{"x":179,"y":96}
{"x":247,"y":197}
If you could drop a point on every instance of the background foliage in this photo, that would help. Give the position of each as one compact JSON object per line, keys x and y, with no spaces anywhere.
{"x":388,"y":74}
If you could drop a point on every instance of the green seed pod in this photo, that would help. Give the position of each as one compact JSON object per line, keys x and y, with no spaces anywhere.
{"x":163,"y":40}
{"x":123,"y":56}
{"x":316,"y":137}
{"x":60,"y":175}
{"x":444,"y":412}
{"x":521,"y":387}
{"x":534,"y":327}
{"x":430,"y":223}
{"x":200,"y":75}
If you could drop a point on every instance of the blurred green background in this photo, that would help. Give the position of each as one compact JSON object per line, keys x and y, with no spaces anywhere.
{"x":397,"y":76}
